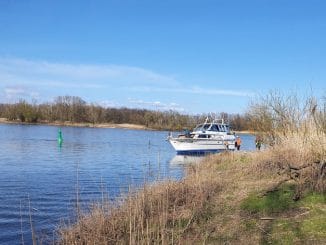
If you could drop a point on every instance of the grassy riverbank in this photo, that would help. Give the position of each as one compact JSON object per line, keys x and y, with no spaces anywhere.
{"x":275,"y":196}
{"x":228,"y":198}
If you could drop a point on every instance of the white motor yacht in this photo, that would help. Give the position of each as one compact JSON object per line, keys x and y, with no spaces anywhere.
{"x":209,"y":137}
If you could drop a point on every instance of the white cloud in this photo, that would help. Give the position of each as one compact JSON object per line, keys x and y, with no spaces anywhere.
{"x":18,"y":92}
{"x":61,"y":74}
{"x":196,"y":90}
{"x":111,"y":84}
{"x":108,"y":103}
{"x":157,"y":105}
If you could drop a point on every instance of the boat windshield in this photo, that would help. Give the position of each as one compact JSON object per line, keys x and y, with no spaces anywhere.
{"x":224,"y":128}
{"x":201,"y":127}
{"x":216,"y":127}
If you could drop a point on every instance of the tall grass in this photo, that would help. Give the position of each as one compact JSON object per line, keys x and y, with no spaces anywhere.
{"x":162,"y":213}
{"x":296,"y":128}
{"x":205,"y":207}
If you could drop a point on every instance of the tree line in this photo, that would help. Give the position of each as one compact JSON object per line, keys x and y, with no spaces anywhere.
{"x":75,"y":110}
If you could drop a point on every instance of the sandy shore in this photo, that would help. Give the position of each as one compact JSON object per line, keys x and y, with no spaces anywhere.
{"x":96,"y":125}
{"x":245,"y":132}
{"x":89,"y":125}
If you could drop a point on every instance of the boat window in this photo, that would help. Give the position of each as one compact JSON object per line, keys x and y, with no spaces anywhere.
{"x":202,"y":136}
{"x":202,"y":127}
{"x":187,"y":133}
{"x":222,"y":128}
{"x":214,"y":128}
{"x":206,"y":126}
{"x":198,"y":127}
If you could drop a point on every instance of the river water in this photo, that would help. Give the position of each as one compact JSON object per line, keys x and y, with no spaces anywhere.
{"x":41,"y":181}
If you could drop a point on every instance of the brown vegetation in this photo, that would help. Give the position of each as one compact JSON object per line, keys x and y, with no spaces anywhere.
{"x":297,"y":129}
{"x":203,"y":208}
{"x":168,"y":212}
{"x":229,"y":198}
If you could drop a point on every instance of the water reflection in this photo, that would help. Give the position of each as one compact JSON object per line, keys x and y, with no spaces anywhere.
{"x":248,"y":144}
{"x":186,"y":159}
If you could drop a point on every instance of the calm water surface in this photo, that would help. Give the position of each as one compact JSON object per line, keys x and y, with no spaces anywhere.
{"x":41,"y":180}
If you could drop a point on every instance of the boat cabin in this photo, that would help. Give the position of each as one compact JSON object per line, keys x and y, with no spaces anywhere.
{"x":215,"y":127}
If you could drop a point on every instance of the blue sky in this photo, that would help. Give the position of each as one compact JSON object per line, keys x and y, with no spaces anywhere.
{"x":191,"y":56}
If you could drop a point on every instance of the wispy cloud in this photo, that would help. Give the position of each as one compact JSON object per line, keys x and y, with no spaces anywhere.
{"x":15,"y":92}
{"x":196,"y":90}
{"x":112,"y":85}
{"x":108,"y":103}
{"x":157,"y":105}
{"x":43,"y":73}
{"x":61,"y":74}
{"x":50,"y":79}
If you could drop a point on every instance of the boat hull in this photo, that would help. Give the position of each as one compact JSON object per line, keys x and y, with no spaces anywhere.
{"x":200,"y":146}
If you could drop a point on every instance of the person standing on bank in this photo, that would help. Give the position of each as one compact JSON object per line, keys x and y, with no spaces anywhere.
{"x":238,"y":143}
{"x":258,"y":143}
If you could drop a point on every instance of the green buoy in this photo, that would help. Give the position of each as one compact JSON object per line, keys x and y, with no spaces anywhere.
{"x":60,"y":139}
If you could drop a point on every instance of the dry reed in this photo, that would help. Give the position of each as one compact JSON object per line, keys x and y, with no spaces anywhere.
{"x":160,"y":213}
{"x":205,"y":206}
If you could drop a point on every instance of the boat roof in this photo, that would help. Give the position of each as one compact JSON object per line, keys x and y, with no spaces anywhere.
{"x":216,"y":125}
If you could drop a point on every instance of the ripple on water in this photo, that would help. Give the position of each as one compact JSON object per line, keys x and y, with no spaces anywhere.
{"x":41,"y":180}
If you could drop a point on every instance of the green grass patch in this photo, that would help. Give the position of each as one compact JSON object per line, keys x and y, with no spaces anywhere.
{"x":307,"y":228}
{"x":273,"y":202}
{"x":314,"y":225}
{"x":312,"y":199}
{"x":285,"y":232}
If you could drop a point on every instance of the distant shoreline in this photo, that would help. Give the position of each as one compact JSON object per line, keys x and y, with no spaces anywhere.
{"x":99,"y":125}
{"x":86,"y":125}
